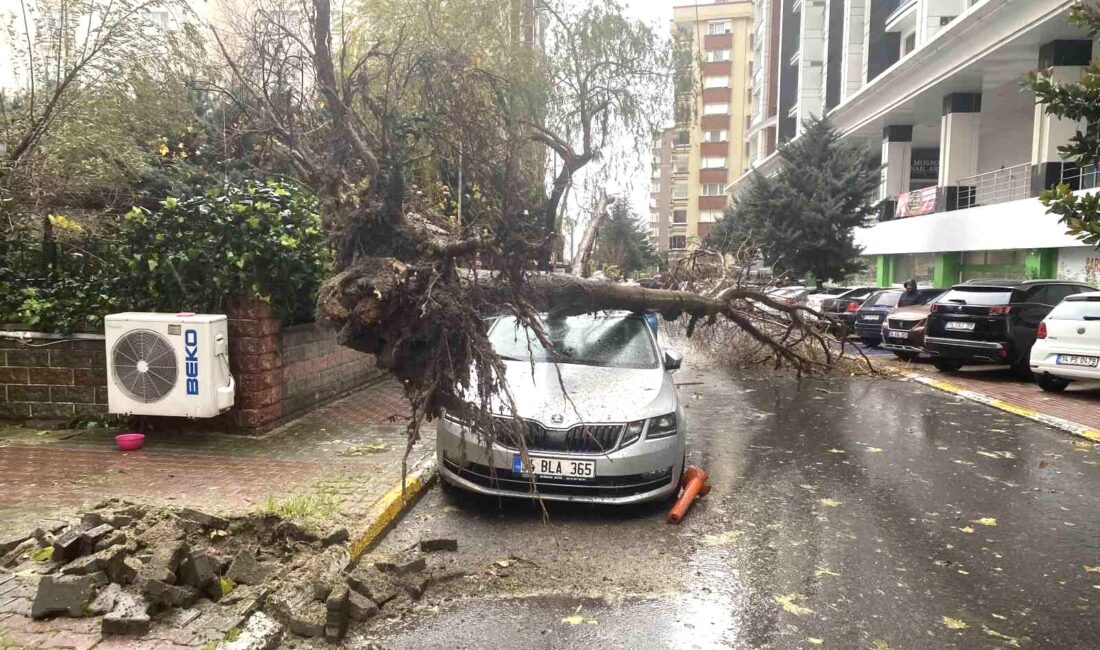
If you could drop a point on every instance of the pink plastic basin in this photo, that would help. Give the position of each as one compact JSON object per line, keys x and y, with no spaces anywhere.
{"x":130,"y":441}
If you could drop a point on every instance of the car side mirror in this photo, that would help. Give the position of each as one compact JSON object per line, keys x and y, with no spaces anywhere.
{"x":673,"y":360}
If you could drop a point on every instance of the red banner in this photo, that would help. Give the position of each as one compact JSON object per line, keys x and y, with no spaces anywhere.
{"x":916,"y":203}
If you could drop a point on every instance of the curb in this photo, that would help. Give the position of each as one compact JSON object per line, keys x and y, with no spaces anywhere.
{"x":395,"y":502}
{"x":1074,"y":428}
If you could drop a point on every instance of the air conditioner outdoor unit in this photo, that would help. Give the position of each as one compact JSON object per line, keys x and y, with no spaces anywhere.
{"x":168,"y":364}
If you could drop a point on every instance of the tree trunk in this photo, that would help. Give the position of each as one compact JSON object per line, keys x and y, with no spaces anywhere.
{"x":593,"y":229}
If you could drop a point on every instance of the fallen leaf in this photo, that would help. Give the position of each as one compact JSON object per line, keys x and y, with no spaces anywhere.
{"x":788,"y":604}
{"x":836,"y":451}
{"x":575,"y":619}
{"x":504,"y":564}
{"x":967,"y":529}
{"x":954,"y":623}
{"x":1004,"y":637}
{"x":965,"y":573}
{"x":874,"y":450}
{"x":986,"y":521}
{"x":830,"y":503}
{"x":824,"y":571}
{"x":881,"y":645}
{"x":1092,"y":569}
{"x":721,"y":539}
{"x":815,"y":640}
{"x":998,"y":616}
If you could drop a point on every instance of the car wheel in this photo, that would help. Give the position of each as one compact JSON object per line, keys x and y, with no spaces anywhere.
{"x":1050,"y":383}
{"x":947,"y":365}
{"x":871,"y":343}
{"x":905,"y":356}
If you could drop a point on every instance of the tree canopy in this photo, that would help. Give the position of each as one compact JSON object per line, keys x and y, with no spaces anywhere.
{"x":802,"y":219}
{"x":623,"y":242}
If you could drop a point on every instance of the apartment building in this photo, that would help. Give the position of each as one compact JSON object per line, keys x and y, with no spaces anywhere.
{"x":934,"y":88}
{"x":695,"y":161}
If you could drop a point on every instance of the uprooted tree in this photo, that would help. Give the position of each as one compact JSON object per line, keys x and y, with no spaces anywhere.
{"x":411,"y":97}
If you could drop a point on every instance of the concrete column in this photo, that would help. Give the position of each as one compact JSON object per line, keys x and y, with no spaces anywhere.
{"x":1064,"y":61}
{"x":945,"y":270}
{"x":897,"y":159}
{"x":855,"y":37}
{"x":959,"y":129}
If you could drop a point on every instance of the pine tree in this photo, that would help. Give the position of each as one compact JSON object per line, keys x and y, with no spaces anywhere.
{"x":623,"y":242}
{"x":803,"y":218}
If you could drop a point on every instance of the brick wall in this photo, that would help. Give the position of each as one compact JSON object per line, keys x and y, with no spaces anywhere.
{"x":52,"y":381}
{"x":280,"y":373}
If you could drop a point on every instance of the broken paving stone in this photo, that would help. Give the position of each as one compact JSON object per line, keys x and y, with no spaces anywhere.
{"x":261,"y":632}
{"x":415,"y":566}
{"x":416,"y":586}
{"x":89,"y":538}
{"x":373,"y":584}
{"x":201,"y":570}
{"x":129,"y":617}
{"x":67,"y":546}
{"x":116,"y":538}
{"x":338,"y":536}
{"x":64,"y":595}
{"x":164,"y":562}
{"x":309,"y":620}
{"x":203,"y":519}
{"x":336,"y":619}
{"x":246,"y":570}
{"x":8,"y":542}
{"x":440,"y":544}
{"x":123,"y":570}
{"x":90,"y":520}
{"x":166,"y":595}
{"x":105,"y":601}
{"x":360,"y":608}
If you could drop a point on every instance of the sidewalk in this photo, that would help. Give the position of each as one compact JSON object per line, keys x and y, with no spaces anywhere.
{"x":339,"y":460}
{"x":1076,"y":411}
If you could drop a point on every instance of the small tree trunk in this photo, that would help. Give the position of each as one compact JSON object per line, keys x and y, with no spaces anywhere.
{"x":589,"y":239}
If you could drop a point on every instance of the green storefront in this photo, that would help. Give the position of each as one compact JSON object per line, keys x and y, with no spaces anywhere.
{"x":947,"y":269}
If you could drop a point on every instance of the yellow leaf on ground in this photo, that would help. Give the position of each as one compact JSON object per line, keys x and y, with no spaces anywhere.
{"x":873,"y":450}
{"x":954,"y":623}
{"x":163,"y":149}
{"x":835,"y":451}
{"x":1092,"y":569}
{"x":967,"y":529}
{"x":830,"y":503}
{"x":788,"y":604}
{"x":721,"y":539}
{"x":575,"y":619}
{"x":881,"y":645}
{"x":1012,"y":641}
{"x":825,"y":571}
{"x":815,"y":640}
{"x":986,"y":521}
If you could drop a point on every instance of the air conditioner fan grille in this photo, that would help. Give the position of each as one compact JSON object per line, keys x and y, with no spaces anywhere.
{"x":144,"y":365}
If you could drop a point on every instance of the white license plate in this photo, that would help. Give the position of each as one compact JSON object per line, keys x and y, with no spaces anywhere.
{"x":960,"y":325}
{"x":1075,"y":360}
{"x":897,"y":335}
{"x":559,"y":467}
{"x":868,"y":317}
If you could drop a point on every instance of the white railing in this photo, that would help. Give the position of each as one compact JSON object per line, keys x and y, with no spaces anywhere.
{"x":1079,"y":178}
{"x":1000,"y":186}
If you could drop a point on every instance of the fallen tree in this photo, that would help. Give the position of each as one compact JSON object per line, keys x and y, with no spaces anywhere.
{"x":405,"y":286}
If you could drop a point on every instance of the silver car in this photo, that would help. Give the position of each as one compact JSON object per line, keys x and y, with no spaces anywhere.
{"x":615,"y":435}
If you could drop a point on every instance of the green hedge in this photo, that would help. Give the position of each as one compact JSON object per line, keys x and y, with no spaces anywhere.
{"x":191,"y":254}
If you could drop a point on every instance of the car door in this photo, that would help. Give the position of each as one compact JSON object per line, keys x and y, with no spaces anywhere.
{"x":1037,"y":304}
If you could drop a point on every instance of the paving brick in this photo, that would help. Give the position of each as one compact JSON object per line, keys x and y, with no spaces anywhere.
{"x":73,"y":394}
{"x":252,"y":328}
{"x":89,"y":377}
{"x":28,"y":393}
{"x":15,"y":410}
{"x":29,"y":357}
{"x":72,"y":641}
{"x":51,"y":376}
{"x":13,"y":375}
{"x":70,"y":359}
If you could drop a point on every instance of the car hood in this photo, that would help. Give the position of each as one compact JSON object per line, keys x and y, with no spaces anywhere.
{"x":913,"y":312}
{"x":592,"y":394}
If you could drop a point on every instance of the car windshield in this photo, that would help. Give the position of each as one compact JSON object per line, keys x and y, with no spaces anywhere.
{"x":928,"y":296}
{"x":982,"y":296}
{"x":610,"y":341}
{"x":884,"y":299}
{"x":1077,"y":310}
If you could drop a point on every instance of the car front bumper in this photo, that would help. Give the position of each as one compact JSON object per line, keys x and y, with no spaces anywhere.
{"x":643,"y":471}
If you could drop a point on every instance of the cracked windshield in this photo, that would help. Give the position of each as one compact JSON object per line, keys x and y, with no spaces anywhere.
{"x":483,"y":324}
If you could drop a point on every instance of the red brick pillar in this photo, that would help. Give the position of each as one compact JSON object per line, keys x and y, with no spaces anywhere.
{"x":256,"y":362}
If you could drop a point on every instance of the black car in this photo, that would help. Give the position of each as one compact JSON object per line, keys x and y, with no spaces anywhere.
{"x":992,"y":322}
{"x":869,"y":317}
{"x":844,"y":306}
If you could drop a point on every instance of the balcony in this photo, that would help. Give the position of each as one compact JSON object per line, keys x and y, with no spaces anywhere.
{"x":990,"y":188}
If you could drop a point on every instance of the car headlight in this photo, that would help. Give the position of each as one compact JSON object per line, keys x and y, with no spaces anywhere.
{"x":661,"y":427}
{"x":633,"y":432}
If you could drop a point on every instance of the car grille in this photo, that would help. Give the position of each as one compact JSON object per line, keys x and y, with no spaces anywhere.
{"x":580,"y":439}
{"x":897,"y":324}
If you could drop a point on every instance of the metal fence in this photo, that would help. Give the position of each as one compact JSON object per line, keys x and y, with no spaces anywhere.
{"x":1000,"y":186}
{"x":1079,"y":178}
{"x":34,"y":258}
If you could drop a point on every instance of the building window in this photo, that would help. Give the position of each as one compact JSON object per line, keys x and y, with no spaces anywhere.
{"x":716,"y":109}
{"x":715,"y":27}
{"x":714,"y":163}
{"x":710,"y":216}
{"x":716,"y":136}
{"x":655,"y":187}
{"x":680,"y":191}
{"x":683,"y":138}
{"x":716,"y":82}
{"x":910,"y":44}
{"x":679,"y":216}
{"x":677,"y":242}
{"x":712,"y":189}
{"x":718,"y":56}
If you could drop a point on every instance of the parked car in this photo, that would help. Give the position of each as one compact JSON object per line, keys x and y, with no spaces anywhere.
{"x":903,"y":329}
{"x":1067,"y":345}
{"x":610,"y":430}
{"x":992,"y":322}
{"x":868,"y":318}
{"x":817,"y":297}
{"x":845,"y":306}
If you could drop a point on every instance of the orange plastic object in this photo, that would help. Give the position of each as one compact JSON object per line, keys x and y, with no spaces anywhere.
{"x":694,"y":483}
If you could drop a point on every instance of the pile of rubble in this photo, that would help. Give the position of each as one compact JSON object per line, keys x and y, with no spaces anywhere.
{"x":132,"y":565}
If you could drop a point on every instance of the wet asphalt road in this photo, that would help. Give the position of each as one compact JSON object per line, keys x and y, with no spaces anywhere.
{"x":848,"y":514}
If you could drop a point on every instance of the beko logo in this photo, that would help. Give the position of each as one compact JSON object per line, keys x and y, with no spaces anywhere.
{"x":191,"y":360}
